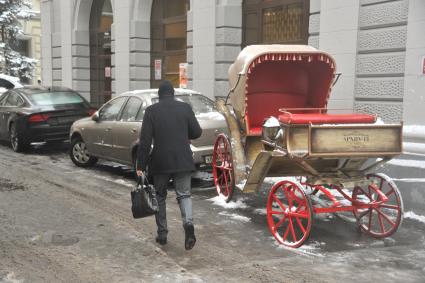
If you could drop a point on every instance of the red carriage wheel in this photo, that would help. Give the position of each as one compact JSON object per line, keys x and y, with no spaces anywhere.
{"x":223,"y":167}
{"x":384,"y":214}
{"x":289,"y":213}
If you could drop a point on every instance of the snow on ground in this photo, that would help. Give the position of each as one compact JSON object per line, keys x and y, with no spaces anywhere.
{"x":120,"y":182}
{"x":124,"y":182}
{"x":261,"y":211}
{"x":414,"y":216}
{"x":241,"y":184}
{"x":219,"y":201}
{"x":10,"y":278}
{"x":411,"y":180}
{"x":235,"y":216}
{"x":312,"y":248}
{"x":408,"y":163}
{"x":412,"y":130}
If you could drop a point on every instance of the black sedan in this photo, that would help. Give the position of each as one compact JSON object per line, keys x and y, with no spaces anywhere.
{"x":39,"y":114}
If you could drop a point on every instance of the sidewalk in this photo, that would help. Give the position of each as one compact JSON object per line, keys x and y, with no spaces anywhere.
{"x":414,"y":139}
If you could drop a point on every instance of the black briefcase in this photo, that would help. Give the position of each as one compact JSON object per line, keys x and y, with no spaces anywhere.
{"x":143,"y":199}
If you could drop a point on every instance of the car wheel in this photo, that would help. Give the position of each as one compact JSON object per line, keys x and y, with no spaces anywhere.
{"x":16,"y":142}
{"x":79,"y":154}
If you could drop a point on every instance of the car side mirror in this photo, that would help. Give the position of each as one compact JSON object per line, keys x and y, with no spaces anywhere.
{"x":95,"y":117}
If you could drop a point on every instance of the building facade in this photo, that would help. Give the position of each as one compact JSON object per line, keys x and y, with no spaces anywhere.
{"x":30,"y":42}
{"x":102,"y":48}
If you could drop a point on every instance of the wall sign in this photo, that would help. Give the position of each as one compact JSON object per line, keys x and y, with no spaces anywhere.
{"x":183,"y":75}
{"x":423,"y":65}
{"x":158,"y":69}
{"x":107,"y":72}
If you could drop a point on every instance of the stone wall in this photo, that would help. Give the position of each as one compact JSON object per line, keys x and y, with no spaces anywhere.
{"x":314,"y":23}
{"x":381,"y":55}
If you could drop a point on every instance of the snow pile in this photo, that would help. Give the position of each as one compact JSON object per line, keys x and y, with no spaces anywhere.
{"x":314,"y":245}
{"x":413,"y":130}
{"x":414,"y":216}
{"x":216,"y":116}
{"x":235,"y":216}
{"x":310,"y":249}
{"x":261,"y":211}
{"x":241,"y":184}
{"x":411,"y":180}
{"x":408,"y":163}
{"x":219,"y":201}
{"x":11,"y":278}
{"x":124,"y":182}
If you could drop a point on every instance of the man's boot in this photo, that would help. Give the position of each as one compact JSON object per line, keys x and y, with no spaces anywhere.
{"x":162,"y":240}
{"x":190,"y":238}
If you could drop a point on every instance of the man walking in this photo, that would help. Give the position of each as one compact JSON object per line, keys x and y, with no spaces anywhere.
{"x":170,"y":125}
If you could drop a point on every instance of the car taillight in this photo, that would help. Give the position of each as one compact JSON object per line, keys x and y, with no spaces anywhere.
{"x":91,"y":111}
{"x":36,"y":118}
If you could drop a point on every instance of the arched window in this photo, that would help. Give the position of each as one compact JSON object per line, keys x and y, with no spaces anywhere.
{"x":275,"y":21}
{"x":100,"y":52}
{"x":168,"y":40}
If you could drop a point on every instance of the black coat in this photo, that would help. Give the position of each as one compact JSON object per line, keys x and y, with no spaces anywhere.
{"x":170,"y":125}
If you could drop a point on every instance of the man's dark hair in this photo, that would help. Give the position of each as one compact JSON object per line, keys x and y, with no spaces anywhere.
{"x":166,"y":89}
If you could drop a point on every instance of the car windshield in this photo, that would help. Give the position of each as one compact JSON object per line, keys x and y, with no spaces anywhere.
{"x":55,"y":98}
{"x":200,"y":104}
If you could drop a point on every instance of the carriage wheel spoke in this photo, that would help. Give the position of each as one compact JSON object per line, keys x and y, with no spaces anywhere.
{"x":362,"y":214}
{"x":226,"y":183}
{"x":292,"y":229}
{"x":389,"y":193}
{"x":279,"y":202}
{"x":381,"y":224}
{"x":299,"y":215}
{"x":298,"y":200}
{"x":300,"y":224}
{"x":370,"y":219}
{"x":390,"y":206}
{"x":287,"y":196}
{"x":380,"y":185}
{"x":278,"y":224}
{"x":385,"y":216}
{"x":299,"y":207}
{"x":287,"y":230}
{"x":368,"y":196}
{"x":277,"y":212}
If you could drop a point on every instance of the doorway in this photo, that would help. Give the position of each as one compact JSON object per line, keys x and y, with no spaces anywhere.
{"x":101,"y":19}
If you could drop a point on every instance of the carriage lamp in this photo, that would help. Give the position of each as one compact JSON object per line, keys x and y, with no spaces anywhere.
{"x":272,"y":129}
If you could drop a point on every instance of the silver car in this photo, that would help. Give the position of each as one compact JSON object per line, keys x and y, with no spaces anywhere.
{"x":112,"y":133}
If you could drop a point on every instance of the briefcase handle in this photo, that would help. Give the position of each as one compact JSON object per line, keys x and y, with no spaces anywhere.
{"x":142,"y":180}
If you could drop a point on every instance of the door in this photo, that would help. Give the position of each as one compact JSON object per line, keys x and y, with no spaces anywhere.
{"x":3,"y":122}
{"x":8,"y":108}
{"x":99,"y":137}
{"x":127,"y":134}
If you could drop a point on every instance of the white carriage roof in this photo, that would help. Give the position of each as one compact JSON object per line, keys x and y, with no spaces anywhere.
{"x":251,"y":52}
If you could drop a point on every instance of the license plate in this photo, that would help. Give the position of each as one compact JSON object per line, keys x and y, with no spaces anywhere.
{"x":208,"y":159}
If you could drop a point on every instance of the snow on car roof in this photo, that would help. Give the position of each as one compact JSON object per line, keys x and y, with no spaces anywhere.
{"x":154,"y":91}
{"x":9,"y":78}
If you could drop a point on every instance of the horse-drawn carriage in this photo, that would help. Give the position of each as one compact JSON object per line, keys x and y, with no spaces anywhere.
{"x":279,"y":126}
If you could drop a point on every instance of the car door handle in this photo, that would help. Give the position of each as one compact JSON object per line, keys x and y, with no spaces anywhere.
{"x":133,"y":130}
{"x":108,"y":129}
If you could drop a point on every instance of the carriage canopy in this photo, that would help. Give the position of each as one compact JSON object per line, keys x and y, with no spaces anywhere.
{"x":266,"y":78}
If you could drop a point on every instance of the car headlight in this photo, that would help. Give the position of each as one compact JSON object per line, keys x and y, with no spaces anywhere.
{"x":272,"y":129}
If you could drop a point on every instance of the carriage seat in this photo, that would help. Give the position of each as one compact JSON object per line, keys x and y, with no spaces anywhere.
{"x":318,"y":118}
{"x":262,"y":105}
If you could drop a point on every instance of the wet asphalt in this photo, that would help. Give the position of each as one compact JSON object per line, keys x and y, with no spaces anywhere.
{"x":60,"y":223}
